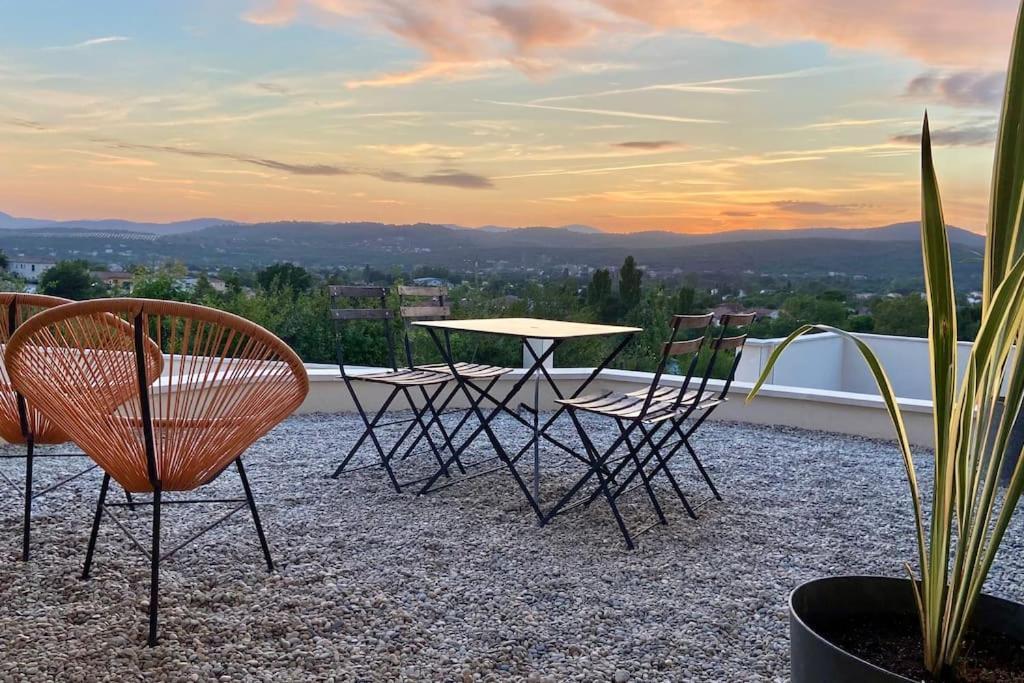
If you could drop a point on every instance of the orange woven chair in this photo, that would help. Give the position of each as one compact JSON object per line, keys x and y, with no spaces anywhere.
{"x":227,"y":382}
{"x":20,"y":421}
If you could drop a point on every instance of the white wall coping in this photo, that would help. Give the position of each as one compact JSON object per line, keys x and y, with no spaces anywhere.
{"x":738,"y":390}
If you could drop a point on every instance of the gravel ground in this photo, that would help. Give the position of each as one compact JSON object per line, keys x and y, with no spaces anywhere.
{"x":461,"y":585}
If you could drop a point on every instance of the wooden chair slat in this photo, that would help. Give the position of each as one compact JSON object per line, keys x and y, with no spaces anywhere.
{"x":727,"y":343}
{"x":679,"y":348}
{"x":420,"y":312}
{"x":357,"y":291}
{"x":737,"y":319}
{"x":683,"y":322}
{"x":360,"y":314}
{"x":414,"y":290}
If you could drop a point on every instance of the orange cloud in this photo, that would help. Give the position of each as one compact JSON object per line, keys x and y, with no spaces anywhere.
{"x":457,"y":35}
{"x":942,"y":32}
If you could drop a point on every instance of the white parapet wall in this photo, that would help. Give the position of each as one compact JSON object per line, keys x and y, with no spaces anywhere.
{"x":820,"y":383}
{"x":832,"y":362}
{"x":821,"y":409}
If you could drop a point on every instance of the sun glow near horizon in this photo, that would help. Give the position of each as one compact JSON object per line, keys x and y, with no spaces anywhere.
{"x":697,"y":116}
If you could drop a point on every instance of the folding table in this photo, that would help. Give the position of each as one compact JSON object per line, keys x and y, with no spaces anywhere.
{"x":526,"y":329}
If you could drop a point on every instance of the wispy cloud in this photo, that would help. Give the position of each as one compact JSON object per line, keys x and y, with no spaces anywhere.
{"x":649,"y":144}
{"x":812,"y":208}
{"x":847,"y":123}
{"x":604,"y":112}
{"x":445,"y":71}
{"x":718,"y":86}
{"x":101,"y":159}
{"x":92,"y":42}
{"x":25,"y":123}
{"x":969,"y":88}
{"x":972,"y":134}
{"x":445,"y":177}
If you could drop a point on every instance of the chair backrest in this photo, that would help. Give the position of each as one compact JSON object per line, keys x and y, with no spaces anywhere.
{"x":727,"y":337}
{"x":733,"y":331}
{"x":18,"y":420}
{"x":227,"y":381}
{"x":351,"y":303}
{"x":421,"y":303}
{"x":689,"y":336}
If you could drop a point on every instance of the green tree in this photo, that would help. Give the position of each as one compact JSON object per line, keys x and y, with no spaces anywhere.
{"x":629,"y":284}
{"x":162,"y":283}
{"x":599,"y":296}
{"x":804,"y":308}
{"x":685,"y":301}
{"x":4,"y":262}
{"x":284,"y":275}
{"x":71,"y":280}
{"x":906,"y":316}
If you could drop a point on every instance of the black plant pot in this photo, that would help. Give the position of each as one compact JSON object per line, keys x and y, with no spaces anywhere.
{"x":816,"y":605}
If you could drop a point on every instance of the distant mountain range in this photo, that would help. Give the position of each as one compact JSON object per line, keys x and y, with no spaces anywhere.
{"x":889,"y":233}
{"x":885,"y":252}
{"x":9,"y":222}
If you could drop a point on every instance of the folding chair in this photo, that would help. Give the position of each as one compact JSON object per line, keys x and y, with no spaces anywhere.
{"x":402,"y":382}
{"x":647,"y":411}
{"x":22,"y":422}
{"x":431,"y":303}
{"x":698,"y":404}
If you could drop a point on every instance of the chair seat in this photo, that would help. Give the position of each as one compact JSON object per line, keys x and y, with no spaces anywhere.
{"x":406,"y":377}
{"x":468,"y":370}
{"x":630,"y":406}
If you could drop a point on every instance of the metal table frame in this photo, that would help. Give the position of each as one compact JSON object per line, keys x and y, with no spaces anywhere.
{"x":556,"y":331}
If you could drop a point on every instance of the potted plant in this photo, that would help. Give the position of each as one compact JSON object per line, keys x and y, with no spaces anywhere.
{"x":937,"y":624}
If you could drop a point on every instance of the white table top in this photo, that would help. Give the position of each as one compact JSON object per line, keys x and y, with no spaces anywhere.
{"x":534,"y":328}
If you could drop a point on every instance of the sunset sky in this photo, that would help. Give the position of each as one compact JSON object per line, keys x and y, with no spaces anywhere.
{"x":695,"y":115}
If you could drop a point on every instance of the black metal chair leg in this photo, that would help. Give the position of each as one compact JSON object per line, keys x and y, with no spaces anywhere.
{"x":663,"y":465}
{"x":154,"y":570}
{"x":368,"y":432}
{"x":597,"y":464}
{"x":424,"y":427}
{"x":643,"y":475}
{"x":700,"y":466}
{"x":255,"y":514}
{"x":26,"y":524}
{"x":130,"y":500}
{"x":96,"y":525}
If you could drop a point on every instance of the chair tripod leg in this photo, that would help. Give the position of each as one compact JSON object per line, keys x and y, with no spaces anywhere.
{"x":96,"y":525}
{"x":643,"y":476}
{"x":597,"y":463}
{"x":26,"y":524}
{"x":154,"y":570}
{"x":255,"y":514}
{"x":131,"y":501}
{"x":703,"y":472}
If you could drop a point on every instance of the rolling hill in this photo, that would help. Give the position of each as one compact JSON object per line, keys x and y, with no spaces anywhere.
{"x":886,"y":252}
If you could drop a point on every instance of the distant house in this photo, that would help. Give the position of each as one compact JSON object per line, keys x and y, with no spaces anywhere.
{"x":430,"y":282}
{"x":190,"y":282}
{"x":29,"y":269}
{"x":115,"y":279}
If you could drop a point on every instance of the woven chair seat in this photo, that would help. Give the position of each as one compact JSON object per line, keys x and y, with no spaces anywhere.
{"x":228,"y":381}
{"x":19,"y":308}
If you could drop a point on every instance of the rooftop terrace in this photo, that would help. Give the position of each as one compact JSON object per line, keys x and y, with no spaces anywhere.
{"x":462,"y":585}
